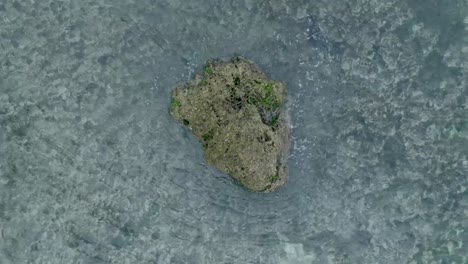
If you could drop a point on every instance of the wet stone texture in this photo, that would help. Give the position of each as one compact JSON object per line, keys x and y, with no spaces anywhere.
{"x":237,"y":113}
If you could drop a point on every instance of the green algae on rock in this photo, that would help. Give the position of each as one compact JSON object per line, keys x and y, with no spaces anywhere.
{"x":238,"y":115}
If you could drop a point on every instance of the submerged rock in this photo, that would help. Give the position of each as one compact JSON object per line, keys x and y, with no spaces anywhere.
{"x":238,"y":115}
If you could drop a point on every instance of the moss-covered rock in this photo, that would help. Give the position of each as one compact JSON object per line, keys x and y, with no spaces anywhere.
{"x":237,"y":114}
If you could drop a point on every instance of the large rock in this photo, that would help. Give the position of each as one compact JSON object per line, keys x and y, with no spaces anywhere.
{"x":237,"y":114}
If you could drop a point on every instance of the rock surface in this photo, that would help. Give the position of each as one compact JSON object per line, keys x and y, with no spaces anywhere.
{"x":236,"y":112}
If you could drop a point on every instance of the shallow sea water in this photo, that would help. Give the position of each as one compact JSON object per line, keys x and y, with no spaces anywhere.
{"x":94,"y":170}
